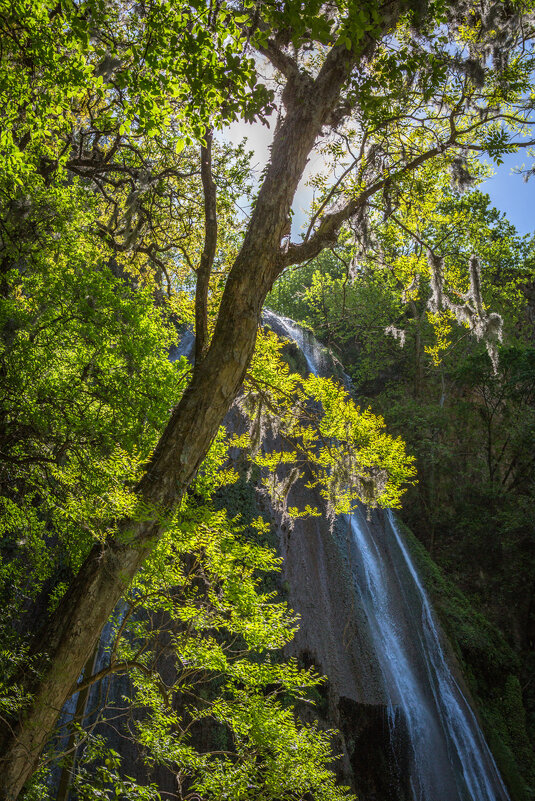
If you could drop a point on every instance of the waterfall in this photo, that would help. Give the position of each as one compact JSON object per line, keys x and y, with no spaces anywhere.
{"x":306,"y":342}
{"x":368,"y":623}
{"x":448,"y":758}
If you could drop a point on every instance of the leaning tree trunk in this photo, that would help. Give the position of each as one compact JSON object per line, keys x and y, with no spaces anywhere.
{"x":65,"y":644}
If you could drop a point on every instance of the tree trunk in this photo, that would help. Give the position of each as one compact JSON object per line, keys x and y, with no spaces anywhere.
{"x":71,"y":634}
{"x":65,"y":644}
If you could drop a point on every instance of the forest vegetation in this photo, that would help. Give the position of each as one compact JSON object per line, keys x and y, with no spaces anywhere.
{"x":121,"y":231}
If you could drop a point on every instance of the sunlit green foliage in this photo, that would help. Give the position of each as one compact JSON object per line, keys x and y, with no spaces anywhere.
{"x":201,"y":598}
{"x":130,"y":70}
{"x":352,"y":295}
{"x":87,"y":386}
{"x":343,"y":450}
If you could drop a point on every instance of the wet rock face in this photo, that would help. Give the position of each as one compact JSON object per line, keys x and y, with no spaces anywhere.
{"x":319,"y":585}
{"x":407,"y":730}
{"x":379,"y":766}
{"x":333,"y":639}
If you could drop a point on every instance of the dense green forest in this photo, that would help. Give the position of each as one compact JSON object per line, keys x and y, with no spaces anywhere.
{"x":127,"y":469}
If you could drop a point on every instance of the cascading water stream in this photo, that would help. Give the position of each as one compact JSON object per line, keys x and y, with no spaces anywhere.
{"x":305,"y":341}
{"x":447,"y":756}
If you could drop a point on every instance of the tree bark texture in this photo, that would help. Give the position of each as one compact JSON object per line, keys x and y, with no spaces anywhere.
{"x":204,"y":269}
{"x":65,"y":644}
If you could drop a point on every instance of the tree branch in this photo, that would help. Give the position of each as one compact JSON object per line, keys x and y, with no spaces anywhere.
{"x":121,"y":668}
{"x":209,"y":250}
{"x":326,"y":234}
{"x":282,"y":62}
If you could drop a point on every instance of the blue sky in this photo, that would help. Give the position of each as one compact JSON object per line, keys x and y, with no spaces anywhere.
{"x":509,"y":193}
